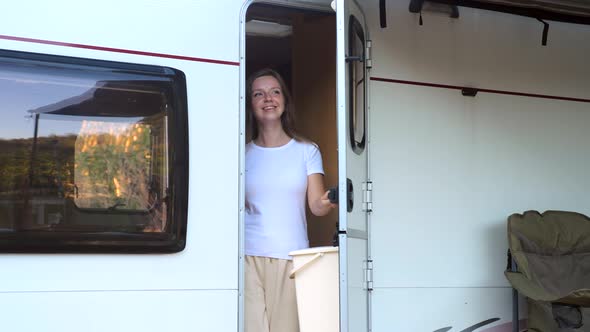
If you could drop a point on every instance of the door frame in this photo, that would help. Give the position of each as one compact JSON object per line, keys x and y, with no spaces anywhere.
{"x":322,"y":5}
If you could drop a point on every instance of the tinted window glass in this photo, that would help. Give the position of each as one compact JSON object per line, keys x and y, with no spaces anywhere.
{"x":357,"y":81}
{"x":87,"y":151}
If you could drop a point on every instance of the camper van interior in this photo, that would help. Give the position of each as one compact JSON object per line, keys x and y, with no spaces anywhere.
{"x":300,"y":44}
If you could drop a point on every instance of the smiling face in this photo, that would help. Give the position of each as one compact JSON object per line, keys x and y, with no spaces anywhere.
{"x":268,"y":101}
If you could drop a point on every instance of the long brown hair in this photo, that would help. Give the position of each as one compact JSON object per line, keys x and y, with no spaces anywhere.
{"x":288,"y":116}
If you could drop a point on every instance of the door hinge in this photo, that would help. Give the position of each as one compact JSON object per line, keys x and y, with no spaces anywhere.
{"x":368,"y":54}
{"x":368,"y":196}
{"x":369,"y":274}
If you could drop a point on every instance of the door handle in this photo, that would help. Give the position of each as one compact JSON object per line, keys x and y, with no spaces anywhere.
{"x":349,"y":195}
{"x":333,"y":195}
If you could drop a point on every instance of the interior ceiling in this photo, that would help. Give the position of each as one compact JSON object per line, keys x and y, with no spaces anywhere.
{"x":573,"y":11}
{"x":280,"y":14}
{"x":269,"y":50}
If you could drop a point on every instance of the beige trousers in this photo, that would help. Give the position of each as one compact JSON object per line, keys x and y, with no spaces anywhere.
{"x":270,"y":302}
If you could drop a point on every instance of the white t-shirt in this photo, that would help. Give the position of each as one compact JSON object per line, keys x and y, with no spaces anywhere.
{"x":276,"y":188}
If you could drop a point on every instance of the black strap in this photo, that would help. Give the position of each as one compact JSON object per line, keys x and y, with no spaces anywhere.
{"x":382,"y":14}
{"x":545,"y":31}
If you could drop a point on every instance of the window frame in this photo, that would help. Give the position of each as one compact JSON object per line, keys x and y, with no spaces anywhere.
{"x":173,"y":238}
{"x":355,"y":29}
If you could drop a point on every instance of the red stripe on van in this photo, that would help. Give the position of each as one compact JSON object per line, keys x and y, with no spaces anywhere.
{"x":456,"y":87}
{"x":118,"y":50}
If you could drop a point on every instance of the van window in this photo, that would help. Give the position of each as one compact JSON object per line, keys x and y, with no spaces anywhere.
{"x":93,"y":156}
{"x":357,"y":81}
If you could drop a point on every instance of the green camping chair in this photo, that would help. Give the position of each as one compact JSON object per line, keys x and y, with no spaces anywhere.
{"x":549,"y":263}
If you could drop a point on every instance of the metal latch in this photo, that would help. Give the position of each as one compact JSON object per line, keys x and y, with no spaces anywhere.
{"x":368,"y":54}
{"x":368,"y":196}
{"x":369,"y":274}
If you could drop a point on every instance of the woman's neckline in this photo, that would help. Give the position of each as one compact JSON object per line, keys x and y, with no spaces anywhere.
{"x":273,"y":147}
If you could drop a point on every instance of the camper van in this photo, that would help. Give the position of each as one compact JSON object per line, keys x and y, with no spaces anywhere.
{"x":122,"y":154}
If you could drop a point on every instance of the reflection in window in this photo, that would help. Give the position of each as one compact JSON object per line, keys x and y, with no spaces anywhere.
{"x":356,"y":50}
{"x":111,"y":167}
{"x":84,"y":156}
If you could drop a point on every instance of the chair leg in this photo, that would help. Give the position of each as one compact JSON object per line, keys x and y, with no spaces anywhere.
{"x":515,"y":318}
{"x":515,"y":311}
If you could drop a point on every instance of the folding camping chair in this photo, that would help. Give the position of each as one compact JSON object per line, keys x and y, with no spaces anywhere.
{"x":549,"y":263}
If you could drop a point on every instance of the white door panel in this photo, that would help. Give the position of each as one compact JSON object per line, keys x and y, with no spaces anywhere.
{"x":352,"y":166}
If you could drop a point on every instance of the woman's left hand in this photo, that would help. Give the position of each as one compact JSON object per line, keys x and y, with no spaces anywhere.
{"x":326,"y":201}
{"x":317,"y":196}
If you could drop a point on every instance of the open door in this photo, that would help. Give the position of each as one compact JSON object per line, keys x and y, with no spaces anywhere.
{"x":353,"y":177}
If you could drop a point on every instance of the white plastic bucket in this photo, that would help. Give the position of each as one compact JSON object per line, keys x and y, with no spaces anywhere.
{"x":316,"y":282}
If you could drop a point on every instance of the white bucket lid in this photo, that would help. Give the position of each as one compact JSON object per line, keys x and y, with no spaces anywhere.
{"x":313,"y":250}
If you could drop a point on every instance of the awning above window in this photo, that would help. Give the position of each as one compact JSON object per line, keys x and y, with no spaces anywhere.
{"x":574,"y":11}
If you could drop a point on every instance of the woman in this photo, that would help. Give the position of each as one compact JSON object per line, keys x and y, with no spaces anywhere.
{"x":281,"y":171}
